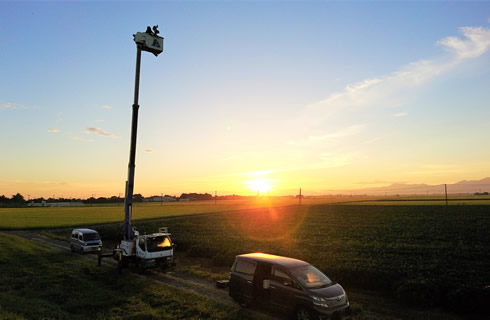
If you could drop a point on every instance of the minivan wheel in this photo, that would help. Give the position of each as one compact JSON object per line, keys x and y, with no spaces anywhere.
{"x":303,"y":314}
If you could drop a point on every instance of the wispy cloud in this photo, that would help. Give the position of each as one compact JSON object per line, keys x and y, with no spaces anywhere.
{"x":53,"y":130}
{"x":388,"y":90}
{"x":476,"y":43}
{"x":400,"y":114}
{"x":325,"y":160}
{"x":344,"y":132}
{"x":330,"y":137}
{"x":148,"y":151}
{"x":334,"y":160}
{"x":100,"y":132}
{"x":99,"y":120}
{"x":12,"y":106}
{"x":107,"y":107}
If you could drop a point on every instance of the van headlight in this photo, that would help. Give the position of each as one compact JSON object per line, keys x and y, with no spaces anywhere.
{"x":319,"y":301}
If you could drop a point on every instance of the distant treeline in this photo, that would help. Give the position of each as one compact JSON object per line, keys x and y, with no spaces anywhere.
{"x":18,"y":199}
{"x":15,"y":200}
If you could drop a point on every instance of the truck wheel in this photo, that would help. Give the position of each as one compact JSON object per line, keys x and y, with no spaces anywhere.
{"x":303,"y":314}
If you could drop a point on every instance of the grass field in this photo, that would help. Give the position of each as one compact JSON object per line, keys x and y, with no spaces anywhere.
{"x":40,"y":283}
{"x":424,"y":255}
{"x":47,"y":217}
{"x":458,"y":200}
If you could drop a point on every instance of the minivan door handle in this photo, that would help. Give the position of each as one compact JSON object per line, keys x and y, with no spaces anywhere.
{"x":249,"y":281}
{"x":273,"y":287}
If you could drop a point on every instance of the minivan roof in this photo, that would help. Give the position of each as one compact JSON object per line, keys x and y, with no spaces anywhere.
{"x":85,"y":230}
{"x":273,"y":259}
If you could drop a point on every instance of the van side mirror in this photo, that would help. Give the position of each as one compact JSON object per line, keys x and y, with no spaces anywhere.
{"x":266,"y":284}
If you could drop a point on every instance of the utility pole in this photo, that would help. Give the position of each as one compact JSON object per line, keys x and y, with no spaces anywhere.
{"x":300,"y":196}
{"x":161,"y":199}
{"x":151,"y":42}
{"x":445,"y":189}
{"x":215,"y":196}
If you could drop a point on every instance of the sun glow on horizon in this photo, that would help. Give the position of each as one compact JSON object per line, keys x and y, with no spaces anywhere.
{"x":260,"y":185}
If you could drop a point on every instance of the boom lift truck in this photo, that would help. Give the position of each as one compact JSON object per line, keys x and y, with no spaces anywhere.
{"x":144,"y":250}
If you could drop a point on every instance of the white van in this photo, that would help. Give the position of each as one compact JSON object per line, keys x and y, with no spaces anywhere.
{"x":85,"y":240}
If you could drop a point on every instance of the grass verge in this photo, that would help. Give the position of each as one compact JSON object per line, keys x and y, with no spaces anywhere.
{"x":40,"y":283}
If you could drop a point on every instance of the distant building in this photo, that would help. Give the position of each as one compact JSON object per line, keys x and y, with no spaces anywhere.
{"x":159,"y":199}
{"x":55,"y":204}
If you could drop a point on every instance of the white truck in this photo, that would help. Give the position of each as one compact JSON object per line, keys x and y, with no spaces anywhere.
{"x":154,"y":249}
{"x":146,"y":251}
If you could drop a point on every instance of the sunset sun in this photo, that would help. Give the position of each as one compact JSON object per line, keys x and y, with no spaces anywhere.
{"x":260,"y":185}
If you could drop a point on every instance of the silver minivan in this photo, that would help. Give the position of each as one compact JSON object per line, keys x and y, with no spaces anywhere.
{"x":85,"y":240}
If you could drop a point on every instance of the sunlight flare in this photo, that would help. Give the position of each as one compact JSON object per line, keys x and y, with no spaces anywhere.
{"x":260,"y":185}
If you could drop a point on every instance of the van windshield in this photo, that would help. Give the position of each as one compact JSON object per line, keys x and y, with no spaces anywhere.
{"x":91,"y":236}
{"x":311,"y":277}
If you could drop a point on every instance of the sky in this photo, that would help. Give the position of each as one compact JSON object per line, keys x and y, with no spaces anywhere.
{"x":247,"y":95}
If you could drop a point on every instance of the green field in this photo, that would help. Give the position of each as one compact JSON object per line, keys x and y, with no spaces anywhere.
{"x":423,"y":255}
{"x":41,"y":283}
{"x":457,"y":200}
{"x":47,"y":217}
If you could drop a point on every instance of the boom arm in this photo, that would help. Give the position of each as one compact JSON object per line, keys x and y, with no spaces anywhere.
{"x":151,"y":42}
{"x":128,"y":200}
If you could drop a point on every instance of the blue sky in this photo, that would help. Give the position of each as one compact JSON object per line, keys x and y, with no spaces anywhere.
{"x":322,"y":95}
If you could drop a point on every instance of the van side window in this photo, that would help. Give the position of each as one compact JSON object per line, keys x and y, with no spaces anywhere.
{"x":245,"y":267}
{"x":280,"y":276}
{"x":80,"y":237}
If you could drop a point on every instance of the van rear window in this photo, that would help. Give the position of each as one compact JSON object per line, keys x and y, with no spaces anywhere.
{"x":245,"y":267}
